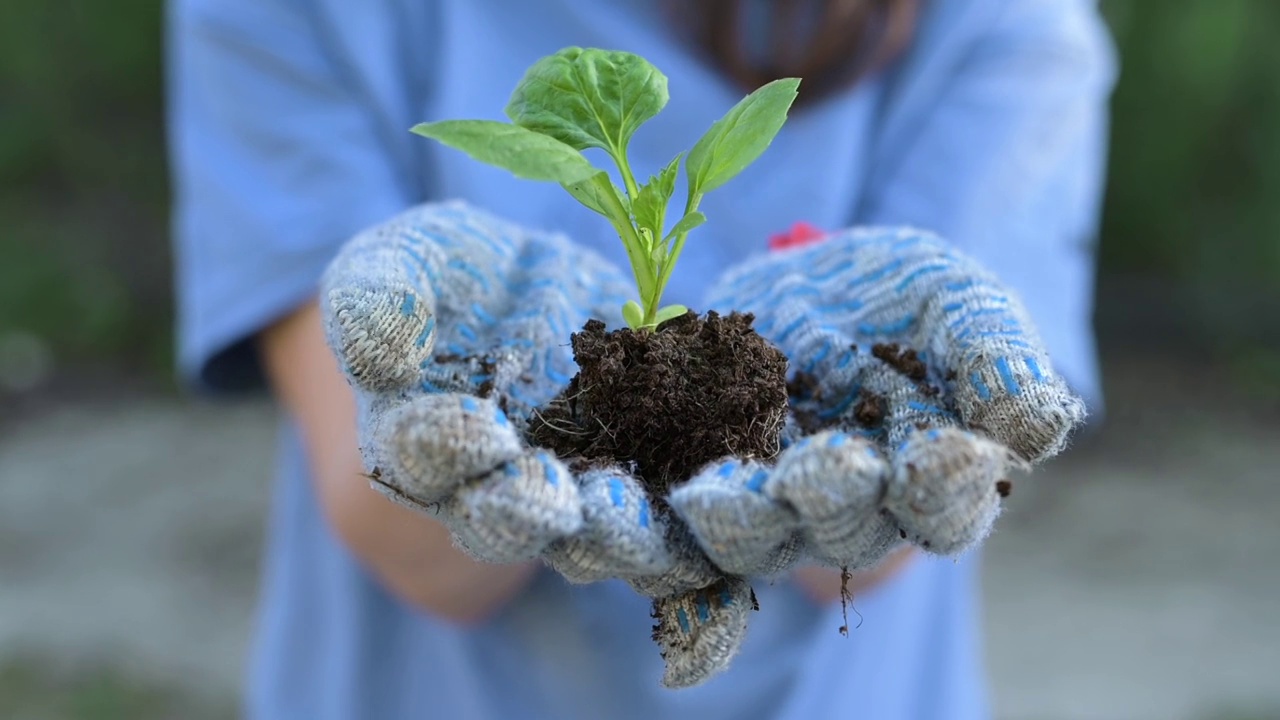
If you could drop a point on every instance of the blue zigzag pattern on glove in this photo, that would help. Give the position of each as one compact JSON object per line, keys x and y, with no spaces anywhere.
{"x":826,"y":305}
{"x":866,"y":286}
{"x":543,"y":299}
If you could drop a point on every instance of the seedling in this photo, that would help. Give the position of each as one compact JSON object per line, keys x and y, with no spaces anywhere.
{"x":581,"y":98}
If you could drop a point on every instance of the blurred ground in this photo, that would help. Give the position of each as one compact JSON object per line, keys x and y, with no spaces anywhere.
{"x":1134,"y":578}
{"x":129,"y":533}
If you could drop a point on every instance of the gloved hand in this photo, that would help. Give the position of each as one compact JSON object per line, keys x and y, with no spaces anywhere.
{"x":920,"y":383}
{"x":453,"y":327}
{"x":452,"y":324}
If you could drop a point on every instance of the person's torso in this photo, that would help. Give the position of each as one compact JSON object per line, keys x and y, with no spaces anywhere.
{"x":333,"y":645}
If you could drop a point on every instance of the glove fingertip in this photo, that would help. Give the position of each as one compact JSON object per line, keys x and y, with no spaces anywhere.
{"x":740,"y":527}
{"x":945,"y":490}
{"x":1017,"y":401}
{"x":516,"y":512}
{"x":438,"y":441}
{"x":835,"y":482}
{"x":619,"y":536}
{"x":379,"y":313}
{"x":701,"y":631}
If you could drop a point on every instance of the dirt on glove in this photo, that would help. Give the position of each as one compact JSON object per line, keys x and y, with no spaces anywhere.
{"x":669,"y":402}
{"x":904,"y":360}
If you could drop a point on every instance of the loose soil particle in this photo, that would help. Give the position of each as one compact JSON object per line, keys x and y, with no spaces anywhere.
{"x":908,"y":363}
{"x":870,"y":410}
{"x":905,"y":361}
{"x":486,"y":366}
{"x":804,"y":391}
{"x":804,"y":386}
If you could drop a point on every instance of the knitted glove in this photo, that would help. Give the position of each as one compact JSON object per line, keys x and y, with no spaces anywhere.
{"x":919,"y":384}
{"x":453,"y":327}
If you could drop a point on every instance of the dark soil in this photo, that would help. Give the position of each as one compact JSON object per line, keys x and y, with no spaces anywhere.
{"x":905,"y":361}
{"x":908,"y":363}
{"x":804,"y":386}
{"x":483,"y":366}
{"x":870,"y":410}
{"x":670,"y":401}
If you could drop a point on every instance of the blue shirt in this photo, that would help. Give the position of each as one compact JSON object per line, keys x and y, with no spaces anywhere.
{"x":289,"y":129}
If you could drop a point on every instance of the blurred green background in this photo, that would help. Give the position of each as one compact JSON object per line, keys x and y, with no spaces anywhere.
{"x":1195,"y":171}
{"x":83,"y":256}
{"x":1190,"y":246}
{"x":1191,"y":239}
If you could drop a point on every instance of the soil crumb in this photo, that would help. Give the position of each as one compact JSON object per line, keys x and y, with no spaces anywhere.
{"x":804,"y":386}
{"x":804,"y":392}
{"x":870,"y":410}
{"x":905,"y":361}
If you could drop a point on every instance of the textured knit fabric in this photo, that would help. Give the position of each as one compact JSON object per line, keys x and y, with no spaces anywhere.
{"x":450,"y":324}
{"x":960,"y":384}
{"x":289,"y":123}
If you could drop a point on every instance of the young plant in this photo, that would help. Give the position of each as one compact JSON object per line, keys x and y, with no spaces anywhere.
{"x":591,"y":98}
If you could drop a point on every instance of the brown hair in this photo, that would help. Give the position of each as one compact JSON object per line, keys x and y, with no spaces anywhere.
{"x":830,"y":49}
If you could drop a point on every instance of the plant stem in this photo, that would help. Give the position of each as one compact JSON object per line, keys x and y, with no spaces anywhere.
{"x":668,"y":264}
{"x":634,"y":245}
{"x":628,"y":178}
{"x":630,"y":237}
{"x":637,"y":248}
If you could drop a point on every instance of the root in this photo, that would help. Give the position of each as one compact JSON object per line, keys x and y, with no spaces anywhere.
{"x":846,"y":601}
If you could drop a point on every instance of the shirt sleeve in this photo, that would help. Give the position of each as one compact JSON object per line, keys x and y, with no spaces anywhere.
{"x":998,"y":143}
{"x":276,"y":161}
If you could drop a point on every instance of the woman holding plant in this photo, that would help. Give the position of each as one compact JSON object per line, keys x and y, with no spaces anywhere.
{"x":513,"y":577}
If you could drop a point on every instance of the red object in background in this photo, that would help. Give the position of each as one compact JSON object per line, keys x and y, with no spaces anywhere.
{"x":802,"y":233}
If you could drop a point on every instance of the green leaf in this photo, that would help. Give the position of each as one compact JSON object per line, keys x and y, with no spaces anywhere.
{"x":600,"y":194}
{"x":657,"y":252}
{"x":676,"y":237}
{"x":633,"y":314}
{"x":669,"y":312}
{"x":687,"y":223}
{"x":650,"y":206}
{"x":738,"y":138}
{"x":524,"y":153}
{"x":647,"y":239}
{"x":589,"y":98}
